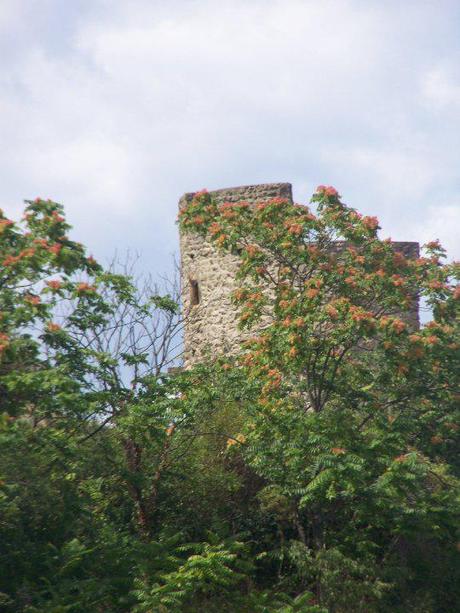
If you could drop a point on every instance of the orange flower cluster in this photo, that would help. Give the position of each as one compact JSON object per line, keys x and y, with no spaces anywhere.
{"x":85,"y":287}
{"x":199,"y":194}
{"x":436,"y":284}
{"x":328,"y":190}
{"x":240,"y":293}
{"x":221,"y":240}
{"x":274,"y":378}
{"x":55,"y":249}
{"x":42,"y":242}
{"x":293,"y":227}
{"x":13,"y":259}
{"x":358,"y":314}
{"x":350,"y":280}
{"x":4,"y":341}
{"x":296,"y":229}
{"x":10,"y":259}
{"x":56,"y":217}
{"x":32,"y":299}
{"x":253,"y":298}
{"x":227,"y":210}
{"x":331,"y":311}
{"x":252,"y":250}
{"x":433,"y":245}
{"x":307,"y":214}
{"x":398,"y":326}
{"x":371,"y":223}
{"x":5,"y":223}
{"x":54,"y":284}
{"x":311,"y":292}
{"x":215,"y":228}
{"x":397,"y":280}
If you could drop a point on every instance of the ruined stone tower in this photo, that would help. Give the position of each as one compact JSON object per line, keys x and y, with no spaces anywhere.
{"x":208,"y":280}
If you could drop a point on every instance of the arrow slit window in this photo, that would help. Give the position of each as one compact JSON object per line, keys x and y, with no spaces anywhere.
{"x":194,"y":292}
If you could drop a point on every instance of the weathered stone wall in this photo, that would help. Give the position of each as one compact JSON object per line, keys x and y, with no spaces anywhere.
{"x":211,"y":326}
{"x":208,"y":276}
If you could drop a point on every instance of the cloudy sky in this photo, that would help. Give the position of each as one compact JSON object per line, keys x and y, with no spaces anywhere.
{"x":117,"y":107}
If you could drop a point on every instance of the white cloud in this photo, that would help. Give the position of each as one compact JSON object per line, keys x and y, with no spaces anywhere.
{"x":441,"y":89}
{"x":393,"y":173}
{"x":441,"y":222}
{"x":117,"y":108}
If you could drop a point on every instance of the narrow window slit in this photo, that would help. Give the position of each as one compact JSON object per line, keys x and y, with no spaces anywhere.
{"x":194,"y":292}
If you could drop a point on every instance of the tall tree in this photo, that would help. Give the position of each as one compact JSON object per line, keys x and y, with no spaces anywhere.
{"x":353,"y":424}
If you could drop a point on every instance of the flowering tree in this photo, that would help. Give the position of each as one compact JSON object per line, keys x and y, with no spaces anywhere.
{"x":100,"y":448}
{"x":328,"y":445}
{"x":32,"y":254}
{"x":73,"y":326}
{"x":83,"y":352}
{"x":353,"y":419}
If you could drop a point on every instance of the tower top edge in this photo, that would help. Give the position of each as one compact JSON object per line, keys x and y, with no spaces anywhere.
{"x":249,"y":193}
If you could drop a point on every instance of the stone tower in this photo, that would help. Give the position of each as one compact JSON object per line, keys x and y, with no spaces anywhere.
{"x":208,"y":280}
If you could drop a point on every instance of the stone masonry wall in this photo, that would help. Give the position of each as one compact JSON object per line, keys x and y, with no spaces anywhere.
{"x":208,"y":277}
{"x":211,"y":326}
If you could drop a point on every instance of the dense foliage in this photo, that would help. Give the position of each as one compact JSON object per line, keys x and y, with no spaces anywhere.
{"x":316,"y":471}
